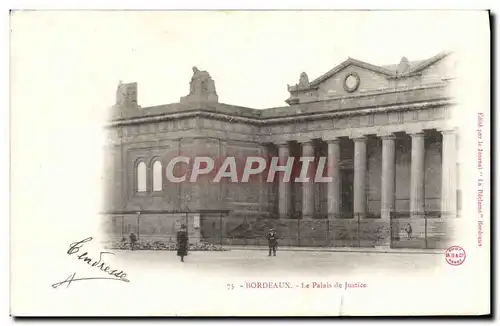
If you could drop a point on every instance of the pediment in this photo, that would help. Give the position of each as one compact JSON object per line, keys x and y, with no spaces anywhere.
{"x":349,"y":64}
{"x":352,"y":64}
{"x":351,"y":79}
{"x":354,"y":76}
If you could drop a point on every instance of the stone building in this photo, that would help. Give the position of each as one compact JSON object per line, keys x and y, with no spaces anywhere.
{"x":385,"y":130}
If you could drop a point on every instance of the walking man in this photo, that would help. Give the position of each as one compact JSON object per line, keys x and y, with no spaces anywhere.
{"x":182,"y":242}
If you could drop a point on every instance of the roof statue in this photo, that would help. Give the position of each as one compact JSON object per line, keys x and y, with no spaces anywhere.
{"x":404,"y":66}
{"x":303,"y":80}
{"x":202,"y":88}
{"x":303,"y":83}
{"x":126,"y":95}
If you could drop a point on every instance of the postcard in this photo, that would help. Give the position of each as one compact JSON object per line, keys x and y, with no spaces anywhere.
{"x":250,"y":163}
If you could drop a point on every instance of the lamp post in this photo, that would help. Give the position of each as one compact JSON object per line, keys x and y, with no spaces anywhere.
{"x":123,"y":227}
{"x":138,"y":224}
{"x":188,"y":199}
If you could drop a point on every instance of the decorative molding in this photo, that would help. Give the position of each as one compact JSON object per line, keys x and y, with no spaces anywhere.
{"x":371,"y":119}
{"x":161,"y":212}
{"x":358,"y":137}
{"x":447,"y":130}
{"x":306,"y":142}
{"x":401,"y":117}
{"x":416,"y":134}
{"x":238,"y":111}
{"x":331,"y":140}
{"x":387,"y":136}
{"x":373,"y":92}
{"x":283,"y":144}
{"x":281,"y":120}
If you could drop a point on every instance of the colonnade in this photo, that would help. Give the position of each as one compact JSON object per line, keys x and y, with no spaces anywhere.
{"x":388,"y":189}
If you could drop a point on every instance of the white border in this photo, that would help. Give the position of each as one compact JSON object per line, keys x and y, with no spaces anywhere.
{"x":164,"y":4}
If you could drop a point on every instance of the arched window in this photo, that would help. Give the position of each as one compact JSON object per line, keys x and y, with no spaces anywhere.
{"x":157,"y":179}
{"x":141,"y":177}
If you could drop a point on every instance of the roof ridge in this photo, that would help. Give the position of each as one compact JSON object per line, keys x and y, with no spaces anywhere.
{"x":427,"y":62}
{"x":378,"y":68}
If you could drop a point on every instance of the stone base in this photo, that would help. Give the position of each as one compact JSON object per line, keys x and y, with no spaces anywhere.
{"x":417,"y":215}
{"x":384,"y":247}
{"x":199,"y":98}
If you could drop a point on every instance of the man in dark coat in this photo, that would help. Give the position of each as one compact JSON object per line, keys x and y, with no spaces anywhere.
{"x":272,"y":238}
{"x":182,"y":242}
{"x":133,"y":240}
{"x":408,"y":231}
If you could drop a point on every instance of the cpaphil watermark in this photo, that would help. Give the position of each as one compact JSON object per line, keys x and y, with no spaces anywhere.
{"x":253,"y":168}
{"x":480,"y":180}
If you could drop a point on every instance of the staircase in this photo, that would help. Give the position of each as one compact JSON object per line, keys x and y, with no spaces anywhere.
{"x":255,"y":229}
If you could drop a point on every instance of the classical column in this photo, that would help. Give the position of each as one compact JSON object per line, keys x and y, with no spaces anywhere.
{"x":449,"y":175}
{"x":308,"y":186}
{"x":284,"y":188}
{"x":264,"y":185}
{"x":360,"y":177}
{"x":388,"y":176}
{"x":417,"y":175}
{"x":333,"y":169}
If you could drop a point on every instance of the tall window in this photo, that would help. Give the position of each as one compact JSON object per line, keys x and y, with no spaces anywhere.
{"x":157,"y":179}
{"x":141,"y":177}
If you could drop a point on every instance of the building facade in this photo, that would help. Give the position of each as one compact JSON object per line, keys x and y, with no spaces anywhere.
{"x":386,"y":132}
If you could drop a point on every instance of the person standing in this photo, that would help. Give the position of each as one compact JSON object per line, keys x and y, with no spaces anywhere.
{"x":408,"y":231}
{"x":182,"y":242}
{"x":133,"y":240}
{"x":272,"y":238}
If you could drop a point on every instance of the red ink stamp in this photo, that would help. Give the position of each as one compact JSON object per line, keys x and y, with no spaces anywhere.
{"x":455,"y":255}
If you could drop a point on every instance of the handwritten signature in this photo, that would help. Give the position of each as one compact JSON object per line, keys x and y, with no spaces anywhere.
{"x":116,"y":275}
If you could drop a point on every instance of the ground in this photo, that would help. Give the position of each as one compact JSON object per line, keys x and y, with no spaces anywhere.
{"x":319,"y":263}
{"x":216,"y":283}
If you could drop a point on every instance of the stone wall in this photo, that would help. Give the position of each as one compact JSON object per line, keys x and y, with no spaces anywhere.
{"x":113,"y":178}
{"x":154,"y":142}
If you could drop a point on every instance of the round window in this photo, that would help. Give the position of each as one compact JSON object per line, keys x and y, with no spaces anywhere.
{"x":351,"y":82}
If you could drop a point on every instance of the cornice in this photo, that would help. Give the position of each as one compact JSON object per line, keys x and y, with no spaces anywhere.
{"x":296,"y":110}
{"x":280,"y":120}
{"x":378,"y":92}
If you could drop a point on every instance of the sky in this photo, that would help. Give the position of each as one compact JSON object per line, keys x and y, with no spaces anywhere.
{"x":251,"y":56}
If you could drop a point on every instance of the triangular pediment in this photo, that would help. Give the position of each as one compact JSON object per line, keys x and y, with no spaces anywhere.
{"x":352,"y":76}
{"x":352,"y":63}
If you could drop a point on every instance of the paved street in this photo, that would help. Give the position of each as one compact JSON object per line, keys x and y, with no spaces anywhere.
{"x":293,"y":262}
